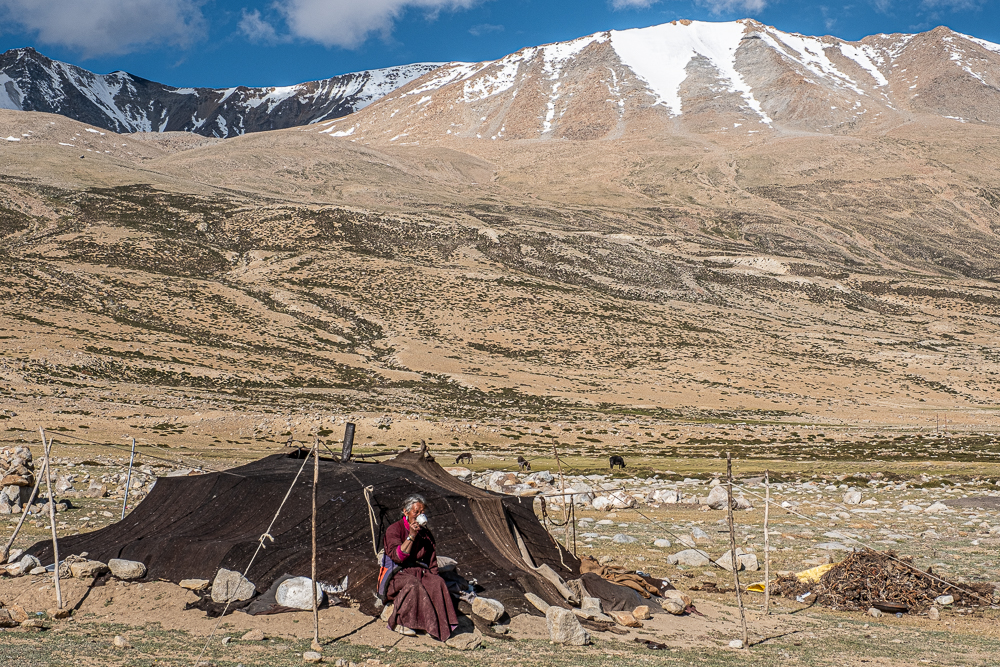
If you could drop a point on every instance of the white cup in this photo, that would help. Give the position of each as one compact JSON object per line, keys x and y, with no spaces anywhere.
{"x":422,"y":519}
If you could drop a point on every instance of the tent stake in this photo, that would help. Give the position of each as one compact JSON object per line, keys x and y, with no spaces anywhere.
{"x":52,"y":516}
{"x":767,"y":544}
{"x":315,"y":452}
{"x":128,"y":480}
{"x":24,"y":511}
{"x":734,"y":560}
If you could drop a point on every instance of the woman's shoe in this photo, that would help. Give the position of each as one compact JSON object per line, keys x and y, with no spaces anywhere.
{"x":405,"y":631}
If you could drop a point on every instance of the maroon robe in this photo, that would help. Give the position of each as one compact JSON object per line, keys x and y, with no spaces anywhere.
{"x":420,"y":597}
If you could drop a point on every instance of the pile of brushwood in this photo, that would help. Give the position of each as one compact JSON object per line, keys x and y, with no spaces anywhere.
{"x":870,"y":578}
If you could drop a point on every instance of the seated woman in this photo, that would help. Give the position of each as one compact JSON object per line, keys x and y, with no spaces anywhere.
{"x":420,"y":597}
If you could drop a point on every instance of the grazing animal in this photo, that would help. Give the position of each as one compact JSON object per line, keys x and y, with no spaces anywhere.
{"x":616,"y":461}
{"x":523,"y":464}
{"x":463,"y":457}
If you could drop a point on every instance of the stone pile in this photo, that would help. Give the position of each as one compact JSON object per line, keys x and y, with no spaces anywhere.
{"x":600,"y":492}
{"x":18,"y":478}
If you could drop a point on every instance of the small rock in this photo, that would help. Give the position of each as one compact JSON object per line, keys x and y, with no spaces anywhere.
{"x":17,"y":613}
{"x":593,"y":615}
{"x":33,"y":624}
{"x":121,"y":642}
{"x":255,"y":635}
{"x":718,"y":498}
{"x":15,"y":555}
{"x":29,"y":563}
{"x":680,"y":598}
{"x":874,"y":613}
{"x":127,"y":569}
{"x":700,"y":536}
{"x":625,"y":618}
{"x":65,"y":612}
{"x":312,"y":657}
{"x":232,"y":586}
{"x":852,"y":497}
{"x":491,"y":610}
{"x":689,"y":557}
{"x":748,"y":562}
{"x":935,"y":508}
{"x":194,"y":584}
{"x":591,"y":603}
{"x":38,"y":570}
{"x":934,"y":614}
{"x":538,"y":603}
{"x":661,"y":544}
{"x":736,"y":643}
{"x":88,"y":569}
{"x":465,"y":641}
{"x":944,"y":600}
{"x":564,"y":628}
{"x":621,"y":538}
{"x":641,"y":613}
{"x":602,"y":503}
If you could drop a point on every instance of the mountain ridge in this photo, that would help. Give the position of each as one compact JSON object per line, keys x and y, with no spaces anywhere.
{"x":739,"y":77}
{"x":125,"y":103}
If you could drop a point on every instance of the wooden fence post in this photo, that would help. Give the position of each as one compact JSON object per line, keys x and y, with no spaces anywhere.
{"x":52,"y":515}
{"x":732,"y":545}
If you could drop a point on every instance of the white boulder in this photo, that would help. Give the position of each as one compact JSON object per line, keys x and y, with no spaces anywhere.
{"x":297,"y":593}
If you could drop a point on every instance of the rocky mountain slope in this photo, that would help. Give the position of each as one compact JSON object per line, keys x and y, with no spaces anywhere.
{"x":124,"y":103}
{"x":740,"y":78}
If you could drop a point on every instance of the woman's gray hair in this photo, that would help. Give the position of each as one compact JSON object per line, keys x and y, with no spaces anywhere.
{"x":412,"y":500}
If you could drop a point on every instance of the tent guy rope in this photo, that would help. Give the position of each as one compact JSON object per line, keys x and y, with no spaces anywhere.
{"x":260,"y":545}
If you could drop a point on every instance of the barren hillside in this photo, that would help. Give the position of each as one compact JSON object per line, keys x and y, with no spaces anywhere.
{"x":847,"y":281}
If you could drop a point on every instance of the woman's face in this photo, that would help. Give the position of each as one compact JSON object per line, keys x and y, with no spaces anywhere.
{"x":412,"y":512}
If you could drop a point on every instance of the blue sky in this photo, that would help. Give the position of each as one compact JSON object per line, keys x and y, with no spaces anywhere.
{"x":221,"y":43}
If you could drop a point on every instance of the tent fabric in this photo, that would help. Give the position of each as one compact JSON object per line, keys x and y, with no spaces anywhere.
{"x":190,"y":527}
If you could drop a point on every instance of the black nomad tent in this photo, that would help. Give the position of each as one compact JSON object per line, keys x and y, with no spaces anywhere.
{"x":190,"y":527}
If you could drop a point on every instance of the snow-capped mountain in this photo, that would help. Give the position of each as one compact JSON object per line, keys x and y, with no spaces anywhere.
{"x":124,"y":103}
{"x":739,"y":77}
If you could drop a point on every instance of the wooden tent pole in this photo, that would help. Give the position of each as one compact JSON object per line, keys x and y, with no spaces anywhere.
{"x":315,"y":452}
{"x":24,"y":510}
{"x":734,"y":560}
{"x":767,"y":544}
{"x":562,"y":490}
{"x":128,"y":479}
{"x":52,"y":516}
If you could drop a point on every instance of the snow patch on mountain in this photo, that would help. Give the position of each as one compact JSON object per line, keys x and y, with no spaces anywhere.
{"x":660,"y":54}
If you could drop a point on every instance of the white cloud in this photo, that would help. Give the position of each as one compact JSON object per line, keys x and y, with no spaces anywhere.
{"x":632,"y":4}
{"x":348,"y":23}
{"x":729,"y":6}
{"x":99,"y":27}
{"x":954,"y":5}
{"x":256,"y":29}
{"x":484,"y":29}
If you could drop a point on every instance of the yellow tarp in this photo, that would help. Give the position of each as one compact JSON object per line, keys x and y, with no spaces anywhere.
{"x":810,"y":576}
